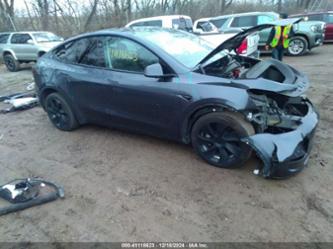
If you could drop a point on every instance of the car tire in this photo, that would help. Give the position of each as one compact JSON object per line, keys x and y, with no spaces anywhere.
{"x":11,"y":64}
{"x":60,"y":113}
{"x":298,"y":45}
{"x":216,"y":139}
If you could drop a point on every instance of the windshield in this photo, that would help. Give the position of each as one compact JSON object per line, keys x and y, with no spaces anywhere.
{"x":46,"y":37}
{"x":187,"y":48}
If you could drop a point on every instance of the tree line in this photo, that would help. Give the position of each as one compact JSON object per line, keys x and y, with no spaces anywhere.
{"x":69,"y":17}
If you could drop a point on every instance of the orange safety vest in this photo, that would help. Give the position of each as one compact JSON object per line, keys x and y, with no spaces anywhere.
{"x":277,"y":36}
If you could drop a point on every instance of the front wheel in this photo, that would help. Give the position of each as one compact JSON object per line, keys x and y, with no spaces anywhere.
{"x":298,"y":45}
{"x":216,"y":138}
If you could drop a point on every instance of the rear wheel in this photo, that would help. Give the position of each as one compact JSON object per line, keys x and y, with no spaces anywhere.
{"x":11,"y":64}
{"x":216,"y":139}
{"x":298,"y":45}
{"x":60,"y":113}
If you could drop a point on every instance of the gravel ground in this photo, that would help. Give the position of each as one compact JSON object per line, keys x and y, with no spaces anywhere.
{"x":126,"y":187}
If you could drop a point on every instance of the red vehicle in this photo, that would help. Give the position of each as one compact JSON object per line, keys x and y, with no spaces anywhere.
{"x":324,"y":16}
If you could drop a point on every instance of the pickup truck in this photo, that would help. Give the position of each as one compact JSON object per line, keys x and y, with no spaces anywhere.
{"x":25,"y":47}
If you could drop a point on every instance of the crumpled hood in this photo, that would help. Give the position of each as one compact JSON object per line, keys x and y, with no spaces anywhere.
{"x":294,"y":83}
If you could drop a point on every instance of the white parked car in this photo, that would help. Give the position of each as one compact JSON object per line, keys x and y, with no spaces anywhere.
{"x":172,"y":22}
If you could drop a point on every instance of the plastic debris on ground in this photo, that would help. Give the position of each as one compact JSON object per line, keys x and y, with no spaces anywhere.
{"x":20,"y":101}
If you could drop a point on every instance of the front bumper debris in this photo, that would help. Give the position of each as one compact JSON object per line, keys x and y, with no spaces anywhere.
{"x":285,"y":154}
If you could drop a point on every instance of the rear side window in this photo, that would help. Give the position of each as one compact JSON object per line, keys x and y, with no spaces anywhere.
{"x":138,"y":24}
{"x":244,"y":21}
{"x":219,"y":22}
{"x":94,"y":55}
{"x":318,"y":17}
{"x":20,"y":38}
{"x":4,"y":38}
{"x":71,"y":52}
{"x":156,"y":23}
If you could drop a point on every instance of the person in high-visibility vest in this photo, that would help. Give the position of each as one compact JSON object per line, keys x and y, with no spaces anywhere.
{"x":278,"y":40}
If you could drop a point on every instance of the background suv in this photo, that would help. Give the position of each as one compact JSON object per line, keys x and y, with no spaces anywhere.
{"x":325,"y":16}
{"x":24,"y":47}
{"x":307,"y":34}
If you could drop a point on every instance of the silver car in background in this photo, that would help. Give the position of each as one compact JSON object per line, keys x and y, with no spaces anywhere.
{"x":25,"y":47}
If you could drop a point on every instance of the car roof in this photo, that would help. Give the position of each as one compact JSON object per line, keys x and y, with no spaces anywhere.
{"x":244,"y":14}
{"x":126,"y":31}
{"x":161,"y":17}
{"x":24,"y":32}
{"x":158,"y":18}
{"x":312,"y":13}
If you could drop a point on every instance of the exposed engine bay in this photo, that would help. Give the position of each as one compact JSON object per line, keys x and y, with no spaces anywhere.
{"x":240,"y":67}
{"x":276,"y":113}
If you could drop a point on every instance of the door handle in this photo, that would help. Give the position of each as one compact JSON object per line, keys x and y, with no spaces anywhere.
{"x":185,"y":96}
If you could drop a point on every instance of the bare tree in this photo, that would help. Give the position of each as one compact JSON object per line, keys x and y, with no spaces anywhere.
{"x":43,"y":10}
{"x":91,"y":15}
{"x":69,"y":17}
{"x":7,"y":13}
{"x":224,"y":4}
{"x":29,"y":15}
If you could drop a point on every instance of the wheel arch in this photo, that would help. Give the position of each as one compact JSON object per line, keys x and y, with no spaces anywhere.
{"x":10,"y":52}
{"x":44,"y":93}
{"x":198,"y":112}
{"x":49,"y":90}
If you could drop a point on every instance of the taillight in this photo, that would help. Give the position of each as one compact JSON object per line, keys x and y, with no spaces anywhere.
{"x":242,"y":49}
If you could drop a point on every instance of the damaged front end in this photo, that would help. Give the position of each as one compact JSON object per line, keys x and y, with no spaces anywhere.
{"x":285,"y":127}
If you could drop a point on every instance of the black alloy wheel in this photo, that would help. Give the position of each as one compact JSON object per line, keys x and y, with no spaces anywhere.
{"x":60,"y":113}
{"x":216,"y":137}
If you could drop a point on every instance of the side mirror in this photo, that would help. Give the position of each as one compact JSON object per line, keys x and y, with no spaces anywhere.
{"x":30,"y":41}
{"x":154,"y":71}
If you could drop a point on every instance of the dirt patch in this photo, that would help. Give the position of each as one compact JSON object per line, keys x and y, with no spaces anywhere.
{"x":126,"y":187}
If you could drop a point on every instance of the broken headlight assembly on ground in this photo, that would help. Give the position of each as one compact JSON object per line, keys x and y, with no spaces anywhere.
{"x":284,"y":130}
{"x":26,"y":193}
